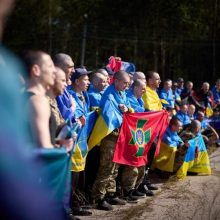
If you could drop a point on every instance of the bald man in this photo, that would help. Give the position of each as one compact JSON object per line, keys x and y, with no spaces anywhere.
{"x":104,"y":187}
{"x":97,"y":87}
{"x":150,"y":97}
{"x":139,"y":75}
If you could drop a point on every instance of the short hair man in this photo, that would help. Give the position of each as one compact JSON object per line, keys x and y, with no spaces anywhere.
{"x":56,"y":120}
{"x":150,"y":97}
{"x":167,"y":94}
{"x":135,"y":93}
{"x":64,"y":62}
{"x":78,"y":90}
{"x":139,"y":75}
{"x":105,"y":73}
{"x":171,"y":142}
{"x":104,"y":186}
{"x":152,"y":102}
{"x":97,"y":87}
{"x":65,"y":102}
{"x":206,"y":129}
{"x":41,"y":77}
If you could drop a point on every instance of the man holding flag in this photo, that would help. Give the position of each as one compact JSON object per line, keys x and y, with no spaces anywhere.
{"x":132,"y":176}
{"x":152,"y":102}
{"x":113,"y":104}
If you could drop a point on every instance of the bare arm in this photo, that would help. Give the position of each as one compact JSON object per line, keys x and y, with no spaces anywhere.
{"x":40,"y":120}
{"x":213,"y":131}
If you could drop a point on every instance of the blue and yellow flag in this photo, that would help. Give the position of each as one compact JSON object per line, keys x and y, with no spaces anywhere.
{"x":109,"y":119}
{"x":196,"y":159}
{"x":81,"y":146}
{"x":166,"y":158}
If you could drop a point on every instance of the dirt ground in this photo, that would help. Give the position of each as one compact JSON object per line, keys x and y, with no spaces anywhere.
{"x":196,"y":198}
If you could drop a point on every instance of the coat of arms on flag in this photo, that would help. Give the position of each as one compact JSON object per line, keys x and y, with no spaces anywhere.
{"x":138,"y":132}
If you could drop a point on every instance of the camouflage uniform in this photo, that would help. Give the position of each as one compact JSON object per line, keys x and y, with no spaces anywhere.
{"x":181,"y":150}
{"x":105,"y":180}
{"x":131,"y":177}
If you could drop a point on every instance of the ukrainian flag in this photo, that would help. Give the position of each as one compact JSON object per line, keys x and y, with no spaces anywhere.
{"x":195,"y":161}
{"x":81,"y":146}
{"x":109,"y":119}
{"x":165,"y":160}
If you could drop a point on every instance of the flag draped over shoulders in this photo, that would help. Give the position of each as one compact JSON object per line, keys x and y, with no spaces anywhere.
{"x":166,"y":158}
{"x":110,"y":117}
{"x":81,"y":146}
{"x":138,"y":132}
{"x":151,"y":100}
{"x":196,"y":158}
{"x":136,"y":103}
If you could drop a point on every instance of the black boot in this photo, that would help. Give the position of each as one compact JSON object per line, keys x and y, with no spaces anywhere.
{"x":144,"y":189}
{"x":102,"y":204}
{"x":115,"y":200}
{"x":147,"y":181}
{"x":138,"y":194}
{"x":129,"y":197}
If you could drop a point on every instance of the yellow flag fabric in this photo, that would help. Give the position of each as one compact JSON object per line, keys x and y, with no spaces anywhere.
{"x":99,"y":131}
{"x":163,"y":101}
{"x":194,"y":161}
{"x":209,"y":112}
{"x":78,"y":160}
{"x":81,"y":147}
{"x":165,"y":160}
{"x":151,"y":100}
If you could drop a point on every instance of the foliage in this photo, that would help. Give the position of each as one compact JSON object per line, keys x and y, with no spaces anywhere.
{"x":179,"y":37}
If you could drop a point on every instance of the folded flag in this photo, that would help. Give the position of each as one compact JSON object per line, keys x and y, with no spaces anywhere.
{"x":196,"y":159}
{"x":138,"y":132}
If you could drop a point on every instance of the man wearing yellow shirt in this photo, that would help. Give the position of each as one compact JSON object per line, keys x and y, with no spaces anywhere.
{"x":150,"y":97}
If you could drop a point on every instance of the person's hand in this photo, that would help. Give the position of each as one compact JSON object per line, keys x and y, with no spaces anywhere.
{"x":187,"y":144}
{"x":67,"y":143}
{"x":78,"y":122}
{"x":73,"y":104}
{"x":82,"y":120}
{"x":123,"y":108}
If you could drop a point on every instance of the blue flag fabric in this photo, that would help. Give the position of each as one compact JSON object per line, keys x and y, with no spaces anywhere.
{"x":55,"y":173}
{"x":81,"y":146}
{"x":196,"y":158}
{"x":128,"y":67}
{"x":110,"y":117}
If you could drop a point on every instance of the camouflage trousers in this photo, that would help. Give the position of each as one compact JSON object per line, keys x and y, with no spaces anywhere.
{"x":105,"y":182}
{"x":131,"y":177}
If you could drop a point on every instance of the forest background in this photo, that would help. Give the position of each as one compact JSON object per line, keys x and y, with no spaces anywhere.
{"x":174,"y":37}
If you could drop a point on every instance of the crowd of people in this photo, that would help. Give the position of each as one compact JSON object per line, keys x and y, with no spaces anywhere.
{"x":58,"y":93}
{"x":53,"y":93}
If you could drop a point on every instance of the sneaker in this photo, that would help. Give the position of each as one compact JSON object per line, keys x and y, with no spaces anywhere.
{"x":116,"y":201}
{"x":138,"y":193}
{"x":104,"y":205}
